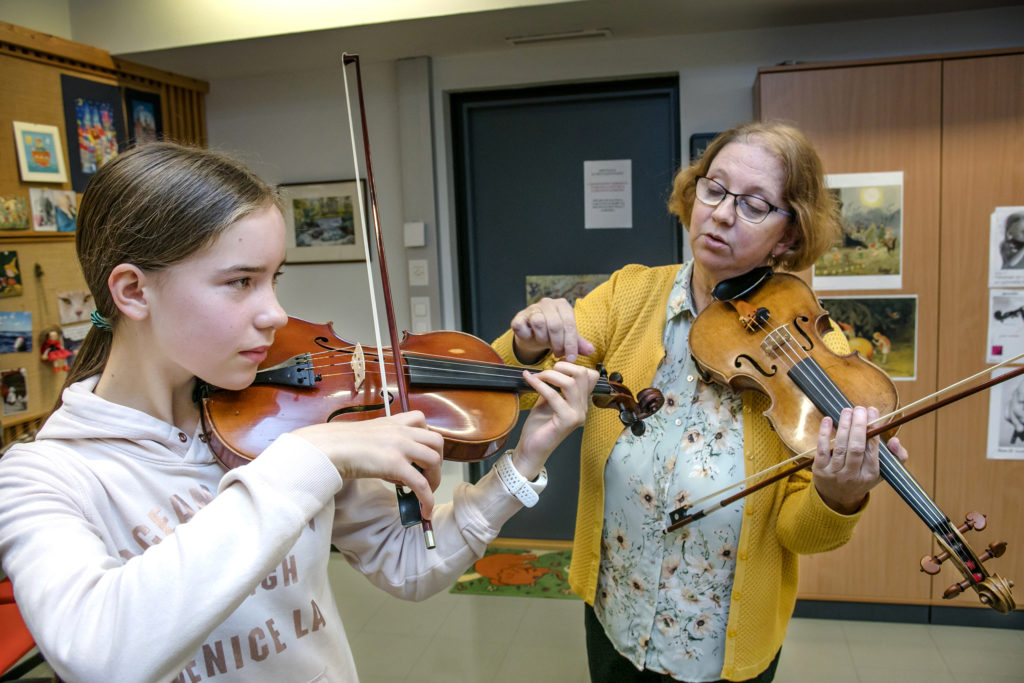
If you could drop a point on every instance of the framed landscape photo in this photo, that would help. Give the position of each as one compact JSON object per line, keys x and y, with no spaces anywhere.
{"x":322,"y":221}
{"x":40,"y":153}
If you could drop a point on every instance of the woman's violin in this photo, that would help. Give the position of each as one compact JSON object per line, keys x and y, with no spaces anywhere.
{"x":764,"y":332}
{"x":310,"y":375}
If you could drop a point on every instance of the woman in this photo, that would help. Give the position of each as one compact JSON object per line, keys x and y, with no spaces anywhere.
{"x":134,"y":556}
{"x":711,"y":600}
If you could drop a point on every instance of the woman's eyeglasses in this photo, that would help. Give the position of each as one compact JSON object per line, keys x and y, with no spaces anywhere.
{"x":749,"y":207}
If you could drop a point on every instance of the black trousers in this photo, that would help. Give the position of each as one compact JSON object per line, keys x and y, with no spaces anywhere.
{"x":608,"y":666}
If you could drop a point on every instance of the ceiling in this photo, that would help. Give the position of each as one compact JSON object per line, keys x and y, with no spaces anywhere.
{"x":487,"y":31}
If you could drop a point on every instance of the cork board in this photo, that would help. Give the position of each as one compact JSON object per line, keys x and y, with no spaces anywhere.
{"x":46,"y":267}
{"x":46,"y":262}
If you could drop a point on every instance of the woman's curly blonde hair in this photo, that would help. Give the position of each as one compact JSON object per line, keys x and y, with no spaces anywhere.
{"x":816,"y":223}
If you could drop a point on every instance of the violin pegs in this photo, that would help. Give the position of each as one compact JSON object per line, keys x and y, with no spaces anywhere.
{"x":956,"y":589}
{"x":616,"y":377}
{"x":638,"y":428}
{"x":931,"y":565}
{"x":994,"y":550}
{"x":973,"y":520}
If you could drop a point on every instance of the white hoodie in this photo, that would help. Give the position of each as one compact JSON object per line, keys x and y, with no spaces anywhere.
{"x":135,"y":557}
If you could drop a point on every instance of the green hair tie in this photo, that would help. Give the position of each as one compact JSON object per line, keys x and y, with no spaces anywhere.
{"x":99,"y":321}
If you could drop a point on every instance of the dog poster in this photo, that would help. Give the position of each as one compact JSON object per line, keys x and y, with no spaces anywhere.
{"x":1006,"y":419}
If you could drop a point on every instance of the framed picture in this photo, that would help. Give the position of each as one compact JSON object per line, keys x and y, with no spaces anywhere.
{"x":143,"y":116}
{"x":53,"y":210}
{"x":14,"y":213}
{"x":40,"y":153}
{"x":94,"y":121}
{"x":322,"y":221}
{"x":698,"y":143}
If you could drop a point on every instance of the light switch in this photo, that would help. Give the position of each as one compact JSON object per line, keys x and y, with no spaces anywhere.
{"x":420,"y":307}
{"x":418,"y":274}
{"x":415,"y":234}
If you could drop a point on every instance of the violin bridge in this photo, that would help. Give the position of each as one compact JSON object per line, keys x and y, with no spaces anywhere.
{"x":775,"y":341}
{"x":358,"y":364}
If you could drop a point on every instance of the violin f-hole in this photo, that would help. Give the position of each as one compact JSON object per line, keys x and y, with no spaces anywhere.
{"x":361,"y":408}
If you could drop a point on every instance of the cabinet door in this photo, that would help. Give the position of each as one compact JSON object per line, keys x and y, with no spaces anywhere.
{"x":871,"y":119}
{"x":982,"y":168}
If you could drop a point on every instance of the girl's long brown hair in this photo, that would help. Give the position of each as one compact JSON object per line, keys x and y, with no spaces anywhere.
{"x":152,"y":207}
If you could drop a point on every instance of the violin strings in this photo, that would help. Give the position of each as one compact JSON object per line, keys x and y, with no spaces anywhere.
{"x":432,"y":367}
{"x":899,"y":477}
{"x":835,"y":401}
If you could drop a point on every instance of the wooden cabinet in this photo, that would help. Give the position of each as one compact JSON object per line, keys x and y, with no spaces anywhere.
{"x":954,"y":125}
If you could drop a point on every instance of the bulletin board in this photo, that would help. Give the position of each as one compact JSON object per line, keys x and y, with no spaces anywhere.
{"x":32,"y":66}
{"x":47,"y":267}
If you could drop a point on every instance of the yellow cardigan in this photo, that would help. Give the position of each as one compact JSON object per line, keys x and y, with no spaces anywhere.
{"x":625,"y":319}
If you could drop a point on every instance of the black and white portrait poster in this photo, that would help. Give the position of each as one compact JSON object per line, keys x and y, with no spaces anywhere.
{"x":1006,"y":419}
{"x":1006,"y":247}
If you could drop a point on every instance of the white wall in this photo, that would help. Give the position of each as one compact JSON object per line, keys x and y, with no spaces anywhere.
{"x":294,"y":128}
{"x":159,"y":24}
{"x":46,"y":16}
{"x":716,"y":74}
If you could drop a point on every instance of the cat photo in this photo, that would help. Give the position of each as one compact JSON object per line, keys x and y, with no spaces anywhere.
{"x":75,"y":306}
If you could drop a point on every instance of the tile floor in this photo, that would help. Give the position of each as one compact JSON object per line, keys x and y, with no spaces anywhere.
{"x":478,"y":639}
{"x":475,"y":639}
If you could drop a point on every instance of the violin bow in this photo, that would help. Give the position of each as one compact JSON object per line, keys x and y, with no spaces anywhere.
{"x":408,"y":505}
{"x":682,"y":516}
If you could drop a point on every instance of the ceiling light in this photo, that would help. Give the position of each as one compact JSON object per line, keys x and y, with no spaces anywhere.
{"x":553,"y":37}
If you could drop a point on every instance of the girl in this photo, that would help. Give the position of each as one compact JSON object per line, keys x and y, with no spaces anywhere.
{"x":134,"y":556}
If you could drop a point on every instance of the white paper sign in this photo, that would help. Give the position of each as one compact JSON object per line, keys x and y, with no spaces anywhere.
{"x":1006,"y":419}
{"x":608,"y":194}
{"x":1005,"y":325}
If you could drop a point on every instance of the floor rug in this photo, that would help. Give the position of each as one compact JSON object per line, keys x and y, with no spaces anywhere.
{"x":523,"y":572}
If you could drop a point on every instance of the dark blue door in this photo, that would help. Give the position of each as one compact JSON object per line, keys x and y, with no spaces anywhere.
{"x":521,"y":193}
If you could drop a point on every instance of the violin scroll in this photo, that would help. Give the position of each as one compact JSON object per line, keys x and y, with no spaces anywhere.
{"x":993,"y":590}
{"x":632,"y":411}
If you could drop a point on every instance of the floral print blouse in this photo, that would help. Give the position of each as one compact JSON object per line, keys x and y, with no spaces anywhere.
{"x":664,"y":598}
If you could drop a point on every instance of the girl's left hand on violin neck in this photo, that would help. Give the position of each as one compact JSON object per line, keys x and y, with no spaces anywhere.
{"x":847,"y":469}
{"x":562,"y":407}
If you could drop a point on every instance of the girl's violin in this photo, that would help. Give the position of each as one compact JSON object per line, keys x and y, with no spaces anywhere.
{"x":310,"y":375}
{"x":764,"y":332}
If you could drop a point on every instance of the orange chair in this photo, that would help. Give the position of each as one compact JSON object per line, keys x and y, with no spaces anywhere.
{"x":15,"y":640}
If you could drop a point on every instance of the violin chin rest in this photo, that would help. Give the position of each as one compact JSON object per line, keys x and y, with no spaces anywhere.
{"x":741,"y":285}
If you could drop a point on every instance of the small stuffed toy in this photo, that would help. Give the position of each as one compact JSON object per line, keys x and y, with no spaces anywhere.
{"x":53,"y":350}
